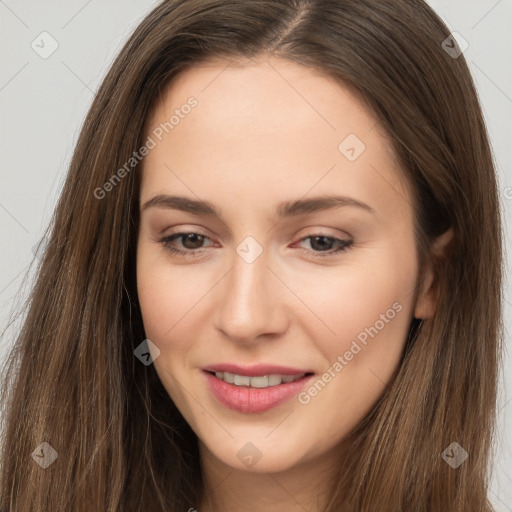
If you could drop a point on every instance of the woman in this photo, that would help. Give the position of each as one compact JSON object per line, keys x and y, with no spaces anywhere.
{"x":191,"y":342}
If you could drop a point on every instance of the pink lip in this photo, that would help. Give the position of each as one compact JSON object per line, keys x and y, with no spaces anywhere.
{"x":255,"y":370}
{"x":253,"y":400}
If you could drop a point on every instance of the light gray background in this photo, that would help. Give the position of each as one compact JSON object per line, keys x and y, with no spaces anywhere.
{"x":43,"y":103}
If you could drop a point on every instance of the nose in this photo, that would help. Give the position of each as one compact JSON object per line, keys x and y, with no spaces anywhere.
{"x":251,"y":302}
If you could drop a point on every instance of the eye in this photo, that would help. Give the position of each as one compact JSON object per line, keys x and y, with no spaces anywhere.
{"x":191,"y":241}
{"x":322,"y":243}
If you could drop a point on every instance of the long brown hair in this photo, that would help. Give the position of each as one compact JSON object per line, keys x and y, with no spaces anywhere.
{"x":72,"y":379}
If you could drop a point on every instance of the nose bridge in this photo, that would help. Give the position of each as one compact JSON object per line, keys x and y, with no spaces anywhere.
{"x":250,"y":302}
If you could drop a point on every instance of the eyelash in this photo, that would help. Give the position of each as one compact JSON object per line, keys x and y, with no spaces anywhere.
{"x":343,"y":245}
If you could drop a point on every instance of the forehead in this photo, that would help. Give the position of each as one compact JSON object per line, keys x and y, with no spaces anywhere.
{"x":269,"y":128}
{"x":256,"y":93}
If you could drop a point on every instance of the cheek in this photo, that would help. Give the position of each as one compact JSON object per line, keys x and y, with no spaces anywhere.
{"x":166,"y":301}
{"x":368,"y":309}
{"x":156,"y":302}
{"x":167,"y":296}
{"x":370,"y":314}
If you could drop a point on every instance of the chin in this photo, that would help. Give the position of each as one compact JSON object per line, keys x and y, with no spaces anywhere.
{"x":256,"y":456}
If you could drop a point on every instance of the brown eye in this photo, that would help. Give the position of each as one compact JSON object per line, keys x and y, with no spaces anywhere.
{"x":192,"y":240}
{"x":191,"y":243}
{"x":322,"y":245}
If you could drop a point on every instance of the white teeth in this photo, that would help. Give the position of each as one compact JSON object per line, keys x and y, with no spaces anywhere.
{"x":274,"y":380}
{"x":260,"y":382}
{"x":228,"y":377}
{"x":242,"y":380}
{"x":263,"y":381}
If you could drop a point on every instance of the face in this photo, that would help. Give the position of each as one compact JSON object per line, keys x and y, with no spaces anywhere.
{"x":280,"y":309}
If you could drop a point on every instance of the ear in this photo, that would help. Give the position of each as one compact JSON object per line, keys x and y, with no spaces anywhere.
{"x":426,"y":301}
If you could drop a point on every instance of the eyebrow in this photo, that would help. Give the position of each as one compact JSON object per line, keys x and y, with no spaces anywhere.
{"x":284,"y":209}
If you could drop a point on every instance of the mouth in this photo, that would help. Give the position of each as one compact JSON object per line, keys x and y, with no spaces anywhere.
{"x":260,"y":382}
{"x":254,"y":393}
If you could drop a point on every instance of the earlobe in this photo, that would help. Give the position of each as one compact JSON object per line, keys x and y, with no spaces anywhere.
{"x":426,"y":301}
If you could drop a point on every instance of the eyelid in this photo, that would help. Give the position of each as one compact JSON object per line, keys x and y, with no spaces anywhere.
{"x":181,"y":234}
{"x":309,"y":231}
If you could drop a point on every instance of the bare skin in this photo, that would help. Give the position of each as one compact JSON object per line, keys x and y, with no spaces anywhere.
{"x":261,"y":134}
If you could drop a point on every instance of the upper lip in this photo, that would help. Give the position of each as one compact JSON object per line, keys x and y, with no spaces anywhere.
{"x":255,"y":370}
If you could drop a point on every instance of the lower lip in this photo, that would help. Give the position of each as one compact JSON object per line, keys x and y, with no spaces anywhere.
{"x":252,"y":400}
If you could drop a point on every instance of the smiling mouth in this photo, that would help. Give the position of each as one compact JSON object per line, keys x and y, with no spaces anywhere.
{"x":255,"y":393}
{"x":260,"y":381}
